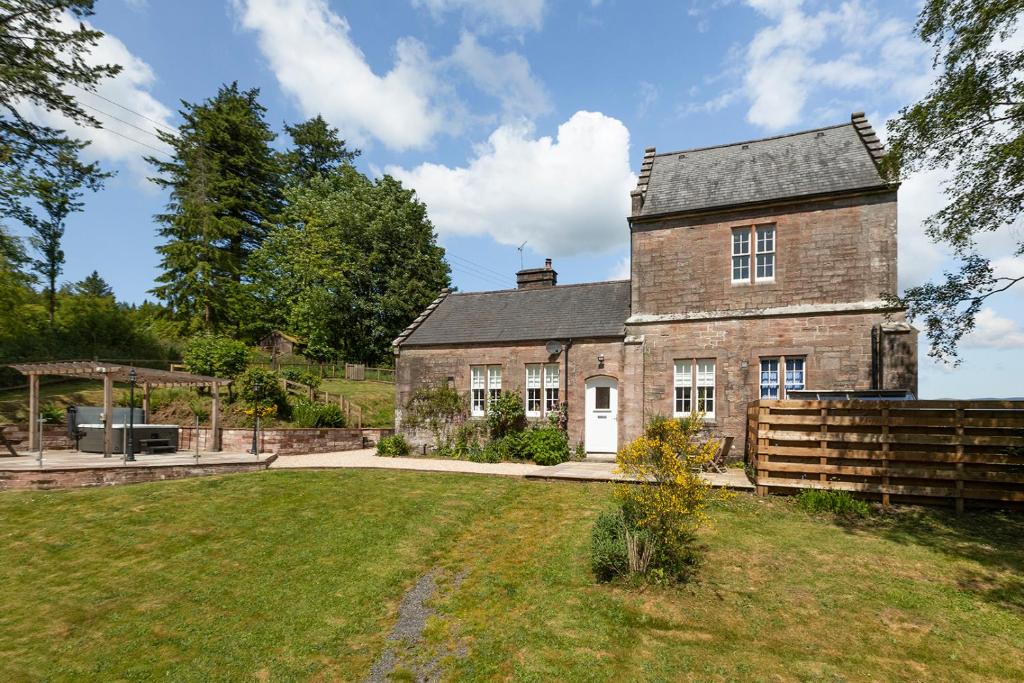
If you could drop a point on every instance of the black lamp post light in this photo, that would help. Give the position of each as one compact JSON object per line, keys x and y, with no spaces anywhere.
{"x":130,"y":450}
{"x":256,"y":392}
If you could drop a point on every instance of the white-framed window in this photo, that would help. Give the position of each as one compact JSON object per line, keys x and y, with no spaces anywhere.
{"x":794,"y":374}
{"x":741,"y":254}
{"x":493,"y":383}
{"x":757,"y":242}
{"x":477,"y":390}
{"x":706,"y":387}
{"x":551,"y":387}
{"x":765,"y":267}
{"x":533,"y":390}
{"x":793,"y":378}
{"x":683,"y":381}
{"x":689,"y":384}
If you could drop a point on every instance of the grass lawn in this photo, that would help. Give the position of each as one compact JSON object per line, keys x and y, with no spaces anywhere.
{"x":377,"y":399}
{"x":299,"y":575}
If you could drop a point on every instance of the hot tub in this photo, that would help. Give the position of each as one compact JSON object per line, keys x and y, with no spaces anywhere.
{"x":92,"y":436}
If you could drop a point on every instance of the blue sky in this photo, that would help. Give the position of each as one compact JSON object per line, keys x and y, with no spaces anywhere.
{"x":522,"y":120}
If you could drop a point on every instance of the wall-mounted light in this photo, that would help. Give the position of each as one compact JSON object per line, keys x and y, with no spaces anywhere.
{"x":600,"y":360}
{"x":744,"y":364}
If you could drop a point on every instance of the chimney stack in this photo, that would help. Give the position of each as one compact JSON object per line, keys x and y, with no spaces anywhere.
{"x":535,"y":278}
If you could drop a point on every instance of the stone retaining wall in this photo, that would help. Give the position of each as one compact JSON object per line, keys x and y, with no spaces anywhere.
{"x":33,"y":480}
{"x":285,"y":441}
{"x":55,"y":437}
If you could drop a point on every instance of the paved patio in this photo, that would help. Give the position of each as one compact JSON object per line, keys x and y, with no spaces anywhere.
{"x":586,"y":470}
{"x":72,"y":460}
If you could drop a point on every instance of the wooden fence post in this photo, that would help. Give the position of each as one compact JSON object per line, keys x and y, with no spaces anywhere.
{"x":959,"y":461}
{"x":823,"y":444}
{"x":885,"y":456}
{"x":762,"y":447}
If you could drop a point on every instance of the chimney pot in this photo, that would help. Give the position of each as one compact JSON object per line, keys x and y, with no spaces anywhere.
{"x":547,"y":264}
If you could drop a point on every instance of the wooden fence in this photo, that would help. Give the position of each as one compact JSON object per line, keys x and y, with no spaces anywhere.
{"x":353,"y":413}
{"x":934,"y":452}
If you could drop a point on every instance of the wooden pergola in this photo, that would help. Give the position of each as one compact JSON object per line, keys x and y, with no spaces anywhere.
{"x":147,"y":378}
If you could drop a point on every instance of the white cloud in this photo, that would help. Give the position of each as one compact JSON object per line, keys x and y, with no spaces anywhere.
{"x":567,"y":195}
{"x":647,"y":95}
{"x":784,"y":65}
{"x":506,"y":77}
{"x":993,"y":331}
{"x":517,"y":15}
{"x":314,"y":59}
{"x":920,"y":196}
{"x":116,"y":141}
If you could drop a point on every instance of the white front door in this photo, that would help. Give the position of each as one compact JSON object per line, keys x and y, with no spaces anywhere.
{"x":601,"y":433}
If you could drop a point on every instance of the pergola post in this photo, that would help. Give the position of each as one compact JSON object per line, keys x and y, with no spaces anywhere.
{"x":33,"y":412}
{"x":215,"y":418}
{"x":108,"y":415}
{"x":145,"y":401}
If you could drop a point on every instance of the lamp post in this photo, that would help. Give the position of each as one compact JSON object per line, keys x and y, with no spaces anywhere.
{"x":256,"y":387}
{"x":130,"y":451}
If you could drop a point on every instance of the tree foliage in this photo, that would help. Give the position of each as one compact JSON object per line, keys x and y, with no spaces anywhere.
{"x":972,"y":123}
{"x":225,"y":194}
{"x":317,"y":149}
{"x":353,"y":262}
{"x":42,"y":61}
{"x":216,"y":356}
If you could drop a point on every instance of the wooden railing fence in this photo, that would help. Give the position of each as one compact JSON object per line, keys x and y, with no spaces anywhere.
{"x":964,"y":452}
{"x":350,"y":409}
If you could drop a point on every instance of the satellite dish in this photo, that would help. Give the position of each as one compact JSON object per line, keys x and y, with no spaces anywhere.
{"x":554,"y":348}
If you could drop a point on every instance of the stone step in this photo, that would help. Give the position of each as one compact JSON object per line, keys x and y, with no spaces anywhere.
{"x":600,"y":457}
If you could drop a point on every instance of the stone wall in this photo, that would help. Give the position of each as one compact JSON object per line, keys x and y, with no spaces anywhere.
{"x":55,"y":437}
{"x":838,"y":351}
{"x":841,"y":250}
{"x":284,"y":441}
{"x":424,"y":366}
{"x":111,"y":476}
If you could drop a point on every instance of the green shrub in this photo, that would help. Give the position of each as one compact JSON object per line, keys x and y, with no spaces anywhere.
{"x":392,"y":446}
{"x":261,"y":386}
{"x":834,"y":502}
{"x":465,"y":438}
{"x":306,"y":413}
{"x":216,"y":355}
{"x":302,"y":376}
{"x":506,"y":415}
{"x":512,"y":446}
{"x":547,"y":446}
{"x":581,"y":451}
{"x":52,"y":413}
{"x":608,"y":558}
{"x":439,"y":409}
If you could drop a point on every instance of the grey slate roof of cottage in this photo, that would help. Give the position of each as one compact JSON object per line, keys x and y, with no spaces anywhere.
{"x":829,"y":160}
{"x":596,"y":309}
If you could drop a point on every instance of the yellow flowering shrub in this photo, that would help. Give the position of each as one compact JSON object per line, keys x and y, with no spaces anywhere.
{"x":670,"y":499}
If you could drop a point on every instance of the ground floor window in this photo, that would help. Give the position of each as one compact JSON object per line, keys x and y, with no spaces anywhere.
{"x":533,"y":389}
{"x":551,"y":387}
{"x":484,"y":387}
{"x":774,"y":386}
{"x":694,"y":378}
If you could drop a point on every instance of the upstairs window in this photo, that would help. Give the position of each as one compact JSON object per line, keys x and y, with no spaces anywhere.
{"x":741,"y":254}
{"x":484,"y":387}
{"x":690,"y":384}
{"x":756,"y":241}
{"x":551,"y":387}
{"x":765,"y":253}
{"x":774,"y":386}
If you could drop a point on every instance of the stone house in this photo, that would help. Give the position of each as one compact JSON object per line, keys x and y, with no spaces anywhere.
{"x":757,"y":268}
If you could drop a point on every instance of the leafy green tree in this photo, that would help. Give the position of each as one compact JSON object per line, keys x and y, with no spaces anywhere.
{"x":15,"y":293}
{"x":42,"y":63}
{"x":216,"y":356}
{"x":58,"y":190}
{"x":93,"y":285}
{"x":224,"y":182}
{"x":317,"y":149}
{"x":972,"y":123}
{"x":353,"y":263}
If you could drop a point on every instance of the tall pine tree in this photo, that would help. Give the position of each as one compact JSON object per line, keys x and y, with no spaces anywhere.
{"x":317,"y":149}
{"x":225,"y":194}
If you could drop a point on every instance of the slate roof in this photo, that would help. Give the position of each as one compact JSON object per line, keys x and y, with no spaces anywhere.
{"x":596,"y":309}
{"x":836,"y":159}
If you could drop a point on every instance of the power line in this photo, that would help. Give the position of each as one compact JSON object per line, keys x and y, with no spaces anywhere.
{"x":127,"y":123}
{"x":128,"y":109}
{"x":138,"y":142}
{"x":483,"y":274}
{"x":478,"y":265}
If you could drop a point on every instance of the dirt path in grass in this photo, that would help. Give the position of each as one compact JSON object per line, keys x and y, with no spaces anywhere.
{"x":407,"y":633}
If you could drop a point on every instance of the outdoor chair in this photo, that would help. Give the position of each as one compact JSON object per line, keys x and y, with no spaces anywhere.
{"x":717,"y":463}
